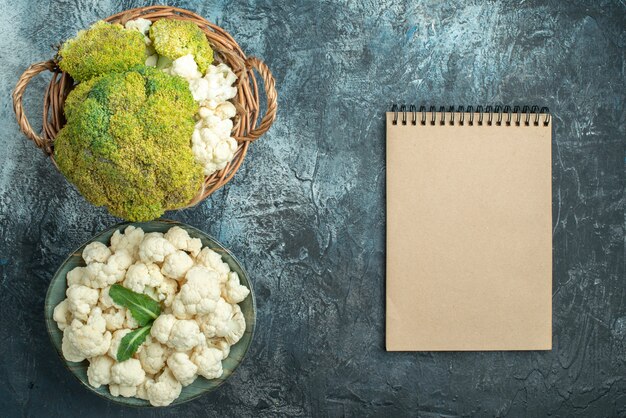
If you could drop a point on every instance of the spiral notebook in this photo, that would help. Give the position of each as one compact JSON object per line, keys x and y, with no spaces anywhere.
{"x":469,"y":229}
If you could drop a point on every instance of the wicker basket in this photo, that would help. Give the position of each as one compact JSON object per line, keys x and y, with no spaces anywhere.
{"x":226,"y":50}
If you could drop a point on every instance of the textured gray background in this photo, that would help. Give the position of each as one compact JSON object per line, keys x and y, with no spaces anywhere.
{"x":306,"y":211}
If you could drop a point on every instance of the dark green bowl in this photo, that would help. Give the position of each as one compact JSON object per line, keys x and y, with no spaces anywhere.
{"x":56,"y":293}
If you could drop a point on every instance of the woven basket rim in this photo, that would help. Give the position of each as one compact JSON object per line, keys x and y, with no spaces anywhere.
{"x":247,"y":127}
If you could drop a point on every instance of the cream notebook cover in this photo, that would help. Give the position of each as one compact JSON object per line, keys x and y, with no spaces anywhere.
{"x":469,"y":230}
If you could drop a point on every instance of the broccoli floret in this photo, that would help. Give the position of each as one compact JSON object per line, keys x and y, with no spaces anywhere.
{"x":176,"y":38}
{"x":127,"y":143}
{"x":101,"y":49}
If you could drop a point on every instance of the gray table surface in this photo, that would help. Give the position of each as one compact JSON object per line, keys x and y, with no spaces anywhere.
{"x":306,"y":211}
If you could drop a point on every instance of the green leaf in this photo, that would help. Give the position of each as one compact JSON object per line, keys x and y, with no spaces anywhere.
{"x":131,"y":342}
{"x":142,"y":307}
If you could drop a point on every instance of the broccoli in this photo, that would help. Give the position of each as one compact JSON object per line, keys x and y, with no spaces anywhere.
{"x":127,"y":143}
{"x":101,"y":49}
{"x":176,"y":38}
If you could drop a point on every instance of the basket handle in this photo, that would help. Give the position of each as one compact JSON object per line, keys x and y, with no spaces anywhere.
{"x":271,"y":95}
{"x":18,"y":107}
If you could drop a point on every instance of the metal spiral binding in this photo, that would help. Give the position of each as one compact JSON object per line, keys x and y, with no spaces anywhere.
{"x":494,"y":115}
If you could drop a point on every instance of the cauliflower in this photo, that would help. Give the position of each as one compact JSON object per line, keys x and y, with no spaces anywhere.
{"x":103,"y":48}
{"x":62,"y":315}
{"x":164,"y":390}
{"x":181,"y":240}
{"x":212,"y":151}
{"x":99,"y":371}
{"x":70,"y":352}
{"x":221,"y":79}
{"x":198,"y":295}
{"x":100,"y":275}
{"x":213,"y":261}
{"x":142,"y":26}
{"x":183,"y":369}
{"x":75,"y":276}
{"x":130,"y":321}
{"x":126,"y":143}
{"x":176,"y":264}
{"x":233,"y":291}
{"x":174,"y":38}
{"x":105,"y":301}
{"x":167,"y":291}
{"x":142,"y":391}
{"x":116,"y":340}
{"x":128,"y":373}
{"x":220,"y":344}
{"x":162,"y":327}
{"x":139,"y":276}
{"x":186,"y":68}
{"x":90,"y":339}
{"x":80,"y":300}
{"x":153,"y":356}
{"x":129,"y":240}
{"x":227,"y":321}
{"x":96,"y":251}
{"x":114,"y":318}
{"x":120,"y":390}
{"x":154,"y":249}
{"x":208,"y":361}
{"x":185,"y":335}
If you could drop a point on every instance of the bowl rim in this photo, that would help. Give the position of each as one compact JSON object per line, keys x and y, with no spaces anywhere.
{"x":119,"y":400}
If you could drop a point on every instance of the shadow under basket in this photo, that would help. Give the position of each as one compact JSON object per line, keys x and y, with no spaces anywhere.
{"x":246,"y":125}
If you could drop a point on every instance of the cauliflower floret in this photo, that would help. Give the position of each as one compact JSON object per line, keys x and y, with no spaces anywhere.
{"x":130,"y":321}
{"x":208,"y":360}
{"x":185,"y":67}
{"x":129,"y":240}
{"x":90,"y":339}
{"x":153,"y":355}
{"x":142,"y":391}
{"x":180,"y":239}
{"x":212,"y":151}
{"x":182,"y":368}
{"x":213,"y":261}
{"x":227,"y":321}
{"x":185,"y":335}
{"x":100,"y":275}
{"x":80,"y":300}
{"x":75,"y":276}
{"x":70,"y":352}
{"x":165,"y":390}
{"x":176,"y":265}
{"x":96,"y":252}
{"x":221,"y":79}
{"x":154,"y":249}
{"x":167,"y":291}
{"x":199,"y":89}
{"x":162,"y":327}
{"x":198,"y":295}
{"x":105,"y":301}
{"x":128,"y":373}
{"x":220,"y":344}
{"x":120,"y":390}
{"x":116,"y":340}
{"x":233,"y":291}
{"x":99,"y":371}
{"x":139,"y":276}
{"x":62,"y":315}
{"x":223,"y":111}
{"x":114,"y":318}
{"x":141,"y":25}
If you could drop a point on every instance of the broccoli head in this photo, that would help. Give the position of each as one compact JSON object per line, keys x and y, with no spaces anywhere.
{"x":127,"y":143}
{"x":176,"y":38}
{"x":101,"y":49}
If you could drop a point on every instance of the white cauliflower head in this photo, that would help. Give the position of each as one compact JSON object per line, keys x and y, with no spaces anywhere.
{"x":99,"y":371}
{"x":233,"y":291}
{"x":153,"y":355}
{"x":100,"y":275}
{"x":116,"y":340}
{"x":164,"y":390}
{"x":96,"y":252}
{"x":154,"y":249}
{"x":90,"y":339}
{"x":114,"y":318}
{"x":213,"y":261}
{"x":62,"y":315}
{"x":162,"y":327}
{"x":80,"y":300}
{"x":208,"y":361}
{"x":220,"y":344}
{"x":70,"y":352}
{"x":129,"y":240}
{"x":75,"y":276}
{"x":184,"y":67}
{"x":198,"y":295}
{"x":227,"y":321}
{"x":185,"y":335}
{"x":176,"y":265}
{"x":120,"y":390}
{"x":181,"y":240}
{"x":221,"y":79}
{"x":128,"y":373}
{"x":183,"y":369}
{"x":139,"y":276}
{"x":166,"y":291}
